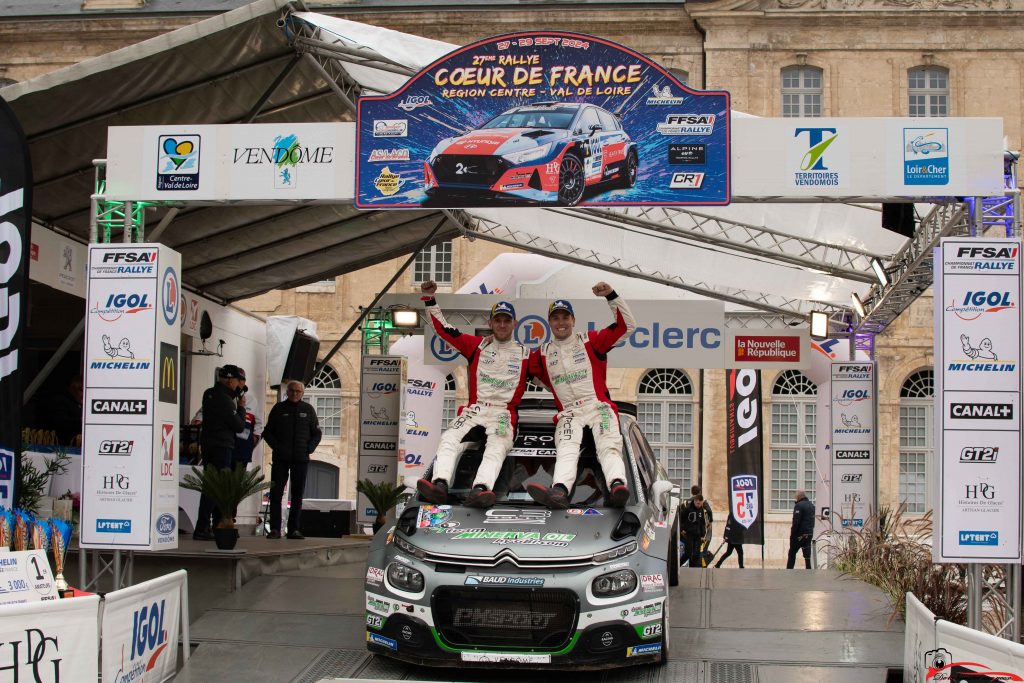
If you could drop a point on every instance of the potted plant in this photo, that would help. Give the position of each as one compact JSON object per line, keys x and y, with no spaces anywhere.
{"x":382,"y":496}
{"x":227,"y":488}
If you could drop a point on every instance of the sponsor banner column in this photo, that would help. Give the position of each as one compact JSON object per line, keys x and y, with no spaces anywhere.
{"x":15,"y":214}
{"x":140,"y":630}
{"x":421,"y":409}
{"x":978,"y":345}
{"x":744,"y":452}
{"x":52,"y":641}
{"x":853,"y":442}
{"x":379,"y":412}
{"x":129,"y":463}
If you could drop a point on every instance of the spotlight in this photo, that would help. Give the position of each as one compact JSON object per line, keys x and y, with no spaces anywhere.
{"x":819,"y":324}
{"x":405,"y":317}
{"x":858,"y":305}
{"x":883,"y":277}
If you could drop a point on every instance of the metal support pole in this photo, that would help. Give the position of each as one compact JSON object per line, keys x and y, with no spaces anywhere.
{"x":1014,"y":600}
{"x":186,"y":646}
{"x":131,"y":568}
{"x":82,"y":559}
{"x":974,"y":596}
{"x":117,"y":569}
{"x":127,"y":236}
{"x":391,"y":282}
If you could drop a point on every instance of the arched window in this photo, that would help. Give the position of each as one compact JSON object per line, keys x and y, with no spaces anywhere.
{"x":917,"y":401}
{"x":928,"y":90}
{"x":324,"y":392}
{"x":664,"y":410}
{"x":801,"y":91}
{"x":792,"y":438}
{"x":450,"y":404}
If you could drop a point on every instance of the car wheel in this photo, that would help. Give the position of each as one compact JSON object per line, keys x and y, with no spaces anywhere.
{"x":570,"y":181}
{"x":628,"y":178}
{"x":673,"y":555}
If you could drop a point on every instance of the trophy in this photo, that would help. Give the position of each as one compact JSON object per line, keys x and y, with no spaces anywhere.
{"x":61,"y":534}
{"x":21,"y":524}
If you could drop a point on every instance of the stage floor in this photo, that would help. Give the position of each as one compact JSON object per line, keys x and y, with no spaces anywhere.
{"x":742,"y":626}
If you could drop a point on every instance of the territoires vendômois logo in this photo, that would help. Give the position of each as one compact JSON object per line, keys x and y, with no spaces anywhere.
{"x":178,"y":162}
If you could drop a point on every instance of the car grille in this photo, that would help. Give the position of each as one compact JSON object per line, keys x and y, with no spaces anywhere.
{"x":521,"y":617}
{"x":475,"y":169}
{"x":506,"y":556}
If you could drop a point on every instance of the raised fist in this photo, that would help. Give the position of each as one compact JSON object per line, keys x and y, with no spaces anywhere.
{"x":602,"y":289}
{"x":428,"y":287}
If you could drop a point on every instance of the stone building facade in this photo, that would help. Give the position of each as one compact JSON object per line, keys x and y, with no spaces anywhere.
{"x":776,"y":58}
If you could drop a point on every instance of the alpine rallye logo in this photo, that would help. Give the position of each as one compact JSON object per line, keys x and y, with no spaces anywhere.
{"x":687,"y":124}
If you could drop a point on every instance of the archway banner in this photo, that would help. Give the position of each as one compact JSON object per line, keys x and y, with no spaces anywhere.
{"x":543,"y":118}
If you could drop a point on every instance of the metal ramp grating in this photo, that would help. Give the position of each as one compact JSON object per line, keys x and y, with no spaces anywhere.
{"x":333,"y":664}
{"x":731,"y":672}
{"x":682,"y":672}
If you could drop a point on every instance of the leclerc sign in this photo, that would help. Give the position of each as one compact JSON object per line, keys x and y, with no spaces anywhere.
{"x":543,"y":118}
{"x":668,"y":334}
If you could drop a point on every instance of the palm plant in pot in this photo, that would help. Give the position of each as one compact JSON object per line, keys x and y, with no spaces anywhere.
{"x":382,"y":496}
{"x":227,"y":488}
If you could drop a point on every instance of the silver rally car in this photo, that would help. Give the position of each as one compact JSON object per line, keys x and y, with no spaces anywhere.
{"x":523,"y":585}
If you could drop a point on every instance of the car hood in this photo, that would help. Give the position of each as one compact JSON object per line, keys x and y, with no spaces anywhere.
{"x":528,"y":532}
{"x":495,"y":141}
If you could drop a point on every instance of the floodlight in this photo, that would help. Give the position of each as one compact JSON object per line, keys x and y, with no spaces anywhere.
{"x":858,"y":305}
{"x":819,"y":324}
{"x":405,"y":317}
{"x":883,"y":277}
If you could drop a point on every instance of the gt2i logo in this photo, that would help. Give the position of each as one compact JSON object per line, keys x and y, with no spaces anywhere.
{"x":116,"y":447}
{"x":651,"y":631}
{"x":979,"y":454}
{"x":374,"y":621}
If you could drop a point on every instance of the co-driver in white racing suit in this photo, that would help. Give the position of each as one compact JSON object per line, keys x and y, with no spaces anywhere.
{"x":497,"y":380}
{"x":574,"y":367}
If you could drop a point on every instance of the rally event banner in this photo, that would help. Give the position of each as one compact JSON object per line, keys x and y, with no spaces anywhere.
{"x":379,"y":417}
{"x":853,"y":464}
{"x":543,"y":118}
{"x":15,"y":213}
{"x":744,"y":452}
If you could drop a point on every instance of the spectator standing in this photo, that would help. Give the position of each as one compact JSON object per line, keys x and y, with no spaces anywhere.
{"x":695,"y":529}
{"x":734,"y":537}
{"x":292,"y":432}
{"x":802,"y":530}
{"x":222,"y":419}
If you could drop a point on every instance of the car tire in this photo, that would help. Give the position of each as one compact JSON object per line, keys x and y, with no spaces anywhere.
{"x":628,"y":178}
{"x":571,"y":181}
{"x":673,"y":555}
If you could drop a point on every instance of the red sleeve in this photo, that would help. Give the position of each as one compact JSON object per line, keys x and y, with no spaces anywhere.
{"x":535,"y":368}
{"x":466,"y":344}
{"x":604,"y":340}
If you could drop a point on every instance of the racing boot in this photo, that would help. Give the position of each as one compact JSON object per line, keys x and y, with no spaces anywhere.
{"x":554,"y":498}
{"x":435,"y":492}
{"x":479,"y":497}
{"x":618,"y":494}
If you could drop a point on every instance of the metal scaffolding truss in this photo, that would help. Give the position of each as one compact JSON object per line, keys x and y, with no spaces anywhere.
{"x":851,"y":264}
{"x":478,"y":227}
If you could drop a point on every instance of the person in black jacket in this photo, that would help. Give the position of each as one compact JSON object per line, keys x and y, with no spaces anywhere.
{"x":734,"y":537}
{"x":292,"y":432}
{"x":222,"y":418}
{"x":802,"y":531}
{"x":695,"y":529}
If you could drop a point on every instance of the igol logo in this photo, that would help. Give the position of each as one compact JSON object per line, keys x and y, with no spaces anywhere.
{"x":976,"y":304}
{"x":532,"y":330}
{"x":442,"y":351}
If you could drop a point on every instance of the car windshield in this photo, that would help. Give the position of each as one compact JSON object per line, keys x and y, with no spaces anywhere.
{"x":533,"y":118}
{"x":532,"y":461}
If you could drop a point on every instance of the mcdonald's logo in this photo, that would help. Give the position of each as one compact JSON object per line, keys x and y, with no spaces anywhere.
{"x":168,"y":387}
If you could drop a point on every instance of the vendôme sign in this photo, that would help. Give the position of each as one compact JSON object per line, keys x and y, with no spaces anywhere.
{"x":543,"y":118}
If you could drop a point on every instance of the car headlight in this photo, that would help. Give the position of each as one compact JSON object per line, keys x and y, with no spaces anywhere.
{"x":407,"y":547}
{"x":527,"y":154}
{"x":617,"y":583}
{"x":408,"y":579}
{"x":620,"y":551}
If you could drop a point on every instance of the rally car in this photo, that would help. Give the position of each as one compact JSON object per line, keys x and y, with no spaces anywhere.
{"x":546,"y":152}
{"x":522,"y":585}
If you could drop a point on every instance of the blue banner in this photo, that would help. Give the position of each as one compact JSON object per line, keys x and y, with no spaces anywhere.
{"x":543,"y":118}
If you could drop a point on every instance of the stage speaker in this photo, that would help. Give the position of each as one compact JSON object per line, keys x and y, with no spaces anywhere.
{"x":301,"y":358}
{"x":899,"y":218}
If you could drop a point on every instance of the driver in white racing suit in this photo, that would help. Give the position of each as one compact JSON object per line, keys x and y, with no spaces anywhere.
{"x":574,"y":366}
{"x":497,"y":380}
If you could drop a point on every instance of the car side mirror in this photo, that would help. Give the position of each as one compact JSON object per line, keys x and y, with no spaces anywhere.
{"x":594,"y":128}
{"x":660,"y":492}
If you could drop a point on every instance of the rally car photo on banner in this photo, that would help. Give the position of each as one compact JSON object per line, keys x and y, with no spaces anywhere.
{"x":524,"y":586}
{"x":543,"y":119}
